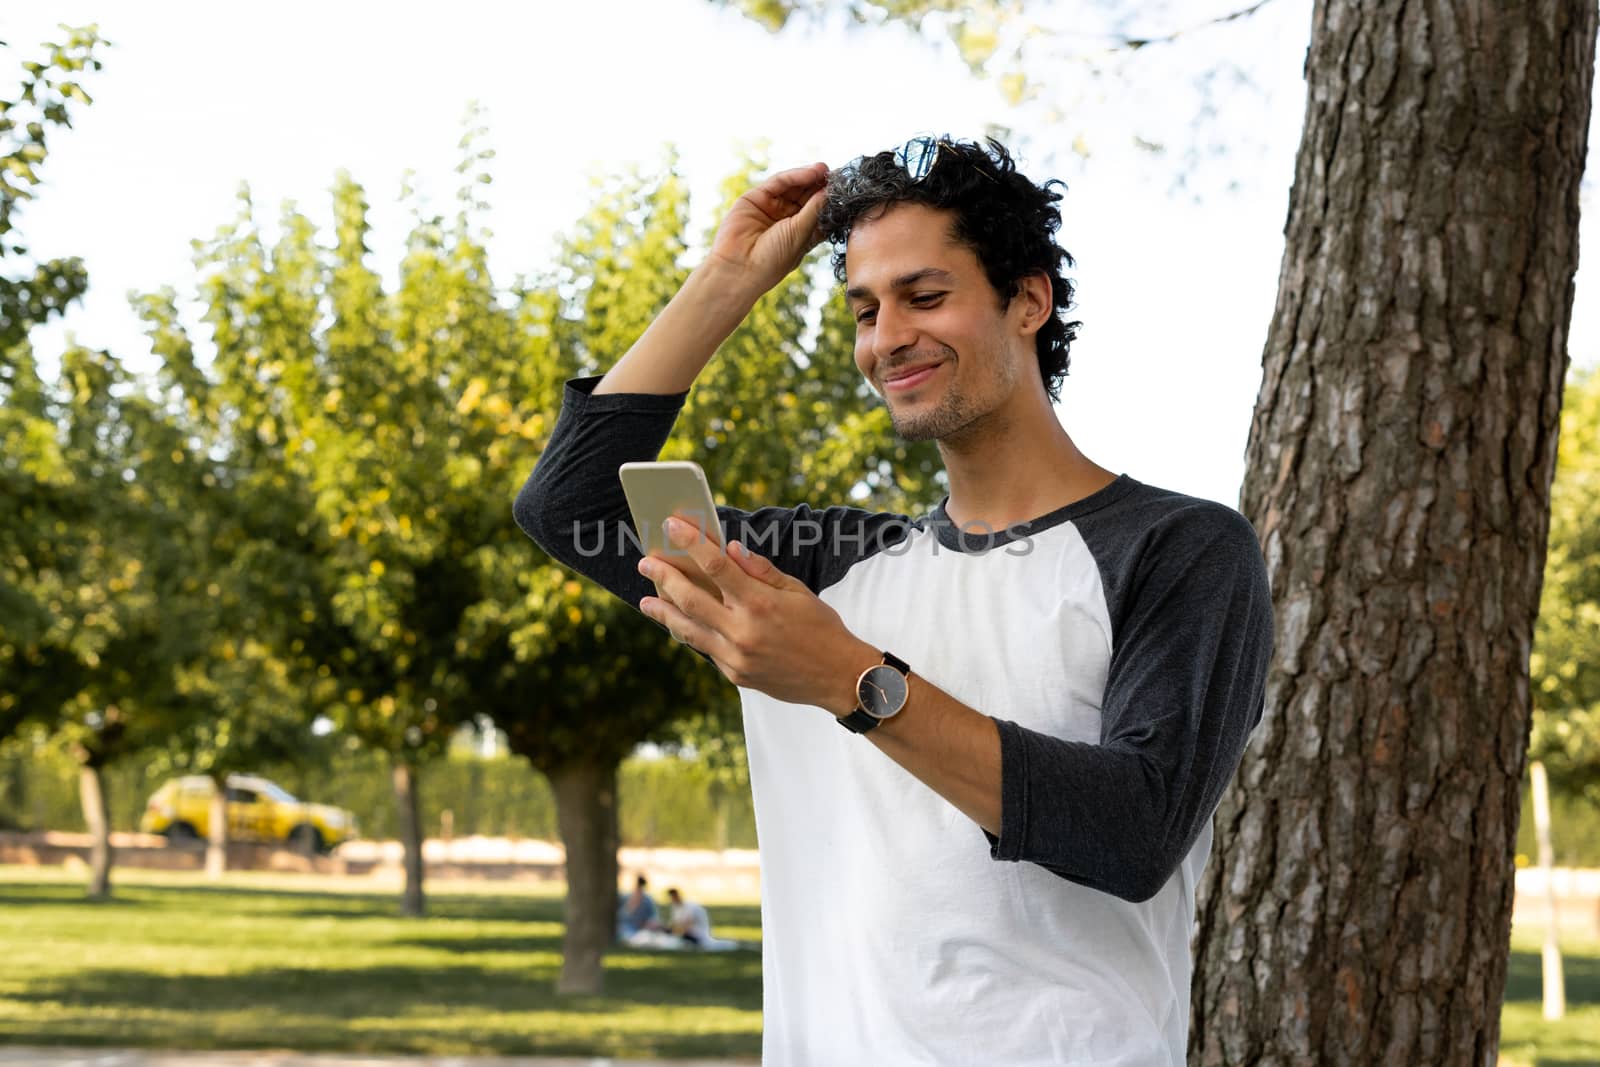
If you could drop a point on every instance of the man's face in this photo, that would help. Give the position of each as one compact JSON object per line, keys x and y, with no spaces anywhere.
{"x":931,"y":336}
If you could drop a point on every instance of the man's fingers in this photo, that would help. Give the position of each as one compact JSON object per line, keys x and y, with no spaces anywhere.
{"x":756,"y":566}
{"x":683,"y":629}
{"x":787,"y":192}
{"x":806,"y":219}
{"x":681,"y":591}
{"x":787,"y":182}
{"x":706,"y":553}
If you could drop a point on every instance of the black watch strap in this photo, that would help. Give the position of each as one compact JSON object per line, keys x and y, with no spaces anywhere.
{"x":859,"y":721}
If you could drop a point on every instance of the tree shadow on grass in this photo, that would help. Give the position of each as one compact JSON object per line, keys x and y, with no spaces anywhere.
{"x":336,"y":1009}
{"x":287,"y":902}
{"x":75,"y":895}
{"x":732,"y":979}
{"x":1525,"y":979}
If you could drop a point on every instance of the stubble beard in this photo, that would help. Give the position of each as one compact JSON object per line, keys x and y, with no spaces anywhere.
{"x":956,"y":412}
{"x":951,"y":415}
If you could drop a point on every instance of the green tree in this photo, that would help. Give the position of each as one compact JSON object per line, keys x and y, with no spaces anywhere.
{"x":35,"y":481}
{"x":774,"y":420}
{"x":254,"y":562}
{"x":1566,"y":644}
{"x":100,"y":507}
{"x":574,"y":681}
{"x":331,"y":399}
{"x":113,"y":575}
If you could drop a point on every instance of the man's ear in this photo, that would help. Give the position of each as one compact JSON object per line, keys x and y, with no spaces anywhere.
{"x":1035,"y":301}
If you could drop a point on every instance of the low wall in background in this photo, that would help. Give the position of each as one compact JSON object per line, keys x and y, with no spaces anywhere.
{"x":729,"y":874}
{"x":1577,"y":898}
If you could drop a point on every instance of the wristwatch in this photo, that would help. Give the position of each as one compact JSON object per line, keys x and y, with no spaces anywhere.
{"x":881,"y":692}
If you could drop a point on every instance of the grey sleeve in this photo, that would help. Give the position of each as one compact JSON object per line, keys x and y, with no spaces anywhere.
{"x":1192,"y":637}
{"x":573,"y":506}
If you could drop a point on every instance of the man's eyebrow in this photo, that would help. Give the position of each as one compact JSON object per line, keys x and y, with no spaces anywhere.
{"x":860,"y":292}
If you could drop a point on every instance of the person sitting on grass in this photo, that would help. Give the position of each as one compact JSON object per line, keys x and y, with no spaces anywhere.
{"x":636,"y":912}
{"x":689,"y":920}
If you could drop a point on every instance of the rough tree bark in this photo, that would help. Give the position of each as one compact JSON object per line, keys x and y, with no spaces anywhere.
{"x":1358,"y":904}
{"x":97,"y":817}
{"x":586,"y":811}
{"x":408,"y":809}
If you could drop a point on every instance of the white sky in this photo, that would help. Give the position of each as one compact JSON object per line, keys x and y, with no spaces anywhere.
{"x":196,"y":98}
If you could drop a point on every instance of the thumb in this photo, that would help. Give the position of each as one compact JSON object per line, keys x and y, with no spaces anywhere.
{"x":805,"y":220}
{"x":757,"y":566}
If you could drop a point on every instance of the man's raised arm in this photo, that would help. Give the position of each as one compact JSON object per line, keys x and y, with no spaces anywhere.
{"x":572,"y":504}
{"x":764,"y":236}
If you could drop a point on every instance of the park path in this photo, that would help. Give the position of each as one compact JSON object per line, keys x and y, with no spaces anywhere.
{"x":103,"y":1057}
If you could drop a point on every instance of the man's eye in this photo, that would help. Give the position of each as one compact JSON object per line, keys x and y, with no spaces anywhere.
{"x":865,"y":314}
{"x":923,"y":300}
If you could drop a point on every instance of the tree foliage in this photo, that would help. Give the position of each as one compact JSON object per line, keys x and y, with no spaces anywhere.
{"x":1062,"y":64}
{"x":45,"y":506}
{"x":1566,"y":650}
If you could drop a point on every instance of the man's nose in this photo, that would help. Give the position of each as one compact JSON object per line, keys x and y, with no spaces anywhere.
{"x":893,"y":332}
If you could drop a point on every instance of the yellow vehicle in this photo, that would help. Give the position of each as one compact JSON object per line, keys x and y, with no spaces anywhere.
{"x":258,"y":810}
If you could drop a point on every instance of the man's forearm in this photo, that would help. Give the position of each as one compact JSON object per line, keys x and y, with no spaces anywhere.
{"x":951,"y":748}
{"x":681,"y":341}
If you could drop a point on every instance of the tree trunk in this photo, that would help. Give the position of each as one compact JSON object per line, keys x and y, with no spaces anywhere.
{"x":410,"y":822}
{"x":217,"y":832}
{"x":14,"y":791}
{"x":97,"y":817}
{"x":586,"y":808}
{"x":1358,"y":904}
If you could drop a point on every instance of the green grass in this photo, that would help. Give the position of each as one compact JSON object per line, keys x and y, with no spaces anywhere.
{"x":1525,"y":1038}
{"x":309,"y":963}
{"x":261,"y":962}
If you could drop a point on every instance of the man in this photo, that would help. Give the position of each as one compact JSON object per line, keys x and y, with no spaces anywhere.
{"x":1047,"y":681}
{"x":689,"y":920}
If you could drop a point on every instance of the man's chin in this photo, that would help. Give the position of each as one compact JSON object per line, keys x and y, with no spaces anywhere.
{"x":927,"y":426}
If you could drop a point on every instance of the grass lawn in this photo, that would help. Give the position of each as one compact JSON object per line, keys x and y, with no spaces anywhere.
{"x":1525,"y":1038}
{"x":310,"y":963}
{"x":294,"y":962}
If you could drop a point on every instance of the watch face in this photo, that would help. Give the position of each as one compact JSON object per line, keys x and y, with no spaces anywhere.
{"x":882,"y":691}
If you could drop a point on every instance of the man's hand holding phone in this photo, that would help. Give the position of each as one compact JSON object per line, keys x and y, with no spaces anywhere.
{"x":659,"y":490}
{"x":680,"y":558}
{"x":766,"y":630}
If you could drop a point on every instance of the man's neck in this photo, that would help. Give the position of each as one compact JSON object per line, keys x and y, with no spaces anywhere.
{"x":1014,"y":468}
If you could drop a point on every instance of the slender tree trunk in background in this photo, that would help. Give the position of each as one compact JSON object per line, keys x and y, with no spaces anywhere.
{"x":97,"y":817}
{"x":14,"y":791}
{"x":217,"y":832}
{"x":586,"y":809}
{"x":1555,"y":983}
{"x":410,"y":824}
{"x":1357,"y":907}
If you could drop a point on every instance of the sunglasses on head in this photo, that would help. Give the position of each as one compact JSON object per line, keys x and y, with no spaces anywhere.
{"x":918,"y":156}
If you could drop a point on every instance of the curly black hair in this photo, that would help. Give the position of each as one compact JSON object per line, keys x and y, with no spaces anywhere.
{"x":1009,"y":222}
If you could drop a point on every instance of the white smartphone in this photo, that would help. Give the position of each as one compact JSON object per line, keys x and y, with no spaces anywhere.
{"x":658,"y":490}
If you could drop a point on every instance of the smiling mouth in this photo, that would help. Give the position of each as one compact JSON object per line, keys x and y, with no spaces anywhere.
{"x":913,"y":379}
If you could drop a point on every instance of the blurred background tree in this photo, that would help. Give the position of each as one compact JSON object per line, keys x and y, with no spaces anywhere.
{"x":1566,"y":648}
{"x":34,"y":478}
{"x":103,"y":510}
{"x":779,"y":417}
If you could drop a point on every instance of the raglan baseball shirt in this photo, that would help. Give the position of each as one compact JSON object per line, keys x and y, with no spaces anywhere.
{"x":1120,"y":643}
